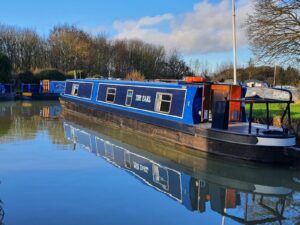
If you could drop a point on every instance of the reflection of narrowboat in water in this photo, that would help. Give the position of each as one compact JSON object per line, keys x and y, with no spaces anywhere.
{"x":203,"y":116}
{"x":50,"y":111}
{"x":46,"y":90}
{"x":27,"y":109}
{"x":249,"y":198}
{"x":6,"y":92}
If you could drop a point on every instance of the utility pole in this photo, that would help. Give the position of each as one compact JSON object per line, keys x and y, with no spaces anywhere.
{"x":75,"y":77}
{"x":275,"y":71}
{"x":234,"y":42}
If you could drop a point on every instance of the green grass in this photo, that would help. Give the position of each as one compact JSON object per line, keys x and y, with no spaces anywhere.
{"x":259,"y":110}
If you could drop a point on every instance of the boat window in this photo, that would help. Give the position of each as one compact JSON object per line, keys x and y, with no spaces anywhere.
{"x":160,"y":176}
{"x":75,"y":88}
{"x":109,"y":150}
{"x":163,"y":102}
{"x":127,"y":162}
{"x":110,"y":94}
{"x":129,"y":97}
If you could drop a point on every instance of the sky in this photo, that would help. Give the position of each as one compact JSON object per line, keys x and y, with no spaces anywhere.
{"x":196,"y":29}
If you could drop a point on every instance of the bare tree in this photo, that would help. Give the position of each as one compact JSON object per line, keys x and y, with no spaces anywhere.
{"x":146,"y":58}
{"x":100,"y":55}
{"x":175,"y":67}
{"x":23,"y":47}
{"x":70,"y":48}
{"x":199,"y":68}
{"x":274,"y":30}
{"x":29,"y":50}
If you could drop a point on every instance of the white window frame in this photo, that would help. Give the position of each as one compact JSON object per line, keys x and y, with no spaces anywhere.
{"x":158,"y":102}
{"x":111,"y":94}
{"x":156,"y":175}
{"x":109,"y":150}
{"x":127,"y":162}
{"x":129,"y":90}
{"x":75,"y":87}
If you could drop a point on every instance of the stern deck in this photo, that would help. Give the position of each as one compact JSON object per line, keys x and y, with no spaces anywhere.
{"x":242,"y":128}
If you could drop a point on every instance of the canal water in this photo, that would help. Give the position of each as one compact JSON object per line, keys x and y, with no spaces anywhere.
{"x":58,"y":168}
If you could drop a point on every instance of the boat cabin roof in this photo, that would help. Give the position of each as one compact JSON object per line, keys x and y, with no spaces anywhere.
{"x":137,"y":83}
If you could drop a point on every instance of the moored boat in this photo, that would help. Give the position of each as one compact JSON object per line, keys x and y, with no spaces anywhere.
{"x":204,"y":116}
{"x":46,"y":90}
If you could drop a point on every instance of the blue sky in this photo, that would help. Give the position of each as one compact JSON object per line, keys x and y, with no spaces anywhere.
{"x":197,"y":29}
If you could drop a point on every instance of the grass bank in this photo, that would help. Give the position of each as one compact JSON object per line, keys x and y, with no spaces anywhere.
{"x":259,"y":110}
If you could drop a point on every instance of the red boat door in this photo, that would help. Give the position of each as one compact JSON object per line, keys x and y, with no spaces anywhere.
{"x":206,"y":94}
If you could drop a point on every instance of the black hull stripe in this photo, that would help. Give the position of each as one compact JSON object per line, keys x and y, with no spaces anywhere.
{"x":230,"y":137}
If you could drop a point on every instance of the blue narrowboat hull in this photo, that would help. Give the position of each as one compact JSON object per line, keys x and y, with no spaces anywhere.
{"x":135,"y":116}
{"x":46,"y":90}
{"x":202,"y":140}
{"x":180,"y":123}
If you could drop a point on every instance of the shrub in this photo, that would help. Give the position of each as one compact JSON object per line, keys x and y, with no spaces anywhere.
{"x":50,"y":75}
{"x":27,"y":77}
{"x":80,"y":74}
{"x":135,"y":75}
{"x":5,"y":69}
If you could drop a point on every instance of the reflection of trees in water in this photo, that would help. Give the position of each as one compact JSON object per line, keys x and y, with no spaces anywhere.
{"x":277,"y":206}
{"x":5,"y":119}
{"x":6,"y":123}
{"x":261,"y":208}
{"x":293,"y":207}
{"x":269,"y":208}
{"x":22,"y":120}
{"x":24,"y":128}
{"x":56,"y":132}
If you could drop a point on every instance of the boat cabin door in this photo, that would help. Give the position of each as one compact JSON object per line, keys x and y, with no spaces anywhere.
{"x":46,"y":86}
{"x":206,"y":99}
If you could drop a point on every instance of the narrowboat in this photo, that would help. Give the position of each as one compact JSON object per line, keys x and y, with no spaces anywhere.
{"x":6,"y":92}
{"x":46,"y":90}
{"x":193,"y":181}
{"x":204,"y":116}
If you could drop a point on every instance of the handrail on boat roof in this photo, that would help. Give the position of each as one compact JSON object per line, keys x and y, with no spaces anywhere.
{"x":259,"y":100}
{"x":267,"y":102}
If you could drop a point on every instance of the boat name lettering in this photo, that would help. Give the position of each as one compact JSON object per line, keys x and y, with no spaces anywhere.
{"x":140,"y":167}
{"x":143,"y":98}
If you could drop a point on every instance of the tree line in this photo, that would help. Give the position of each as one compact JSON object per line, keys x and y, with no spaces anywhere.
{"x":68,"y":48}
{"x":282,"y":76}
{"x":273,"y":30}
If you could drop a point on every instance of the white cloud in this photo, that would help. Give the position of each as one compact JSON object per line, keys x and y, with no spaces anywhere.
{"x":95,"y":30}
{"x":207,"y":28}
{"x":143,"y":22}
